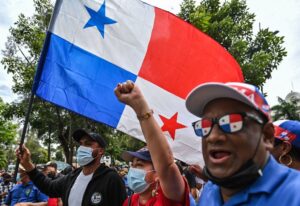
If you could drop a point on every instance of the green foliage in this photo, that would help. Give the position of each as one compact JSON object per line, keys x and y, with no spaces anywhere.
{"x":38,"y":153}
{"x":59,"y":156}
{"x":286,"y":110}
{"x":8,"y":132}
{"x":119,"y":142}
{"x":231,"y":24}
{"x":24,"y":46}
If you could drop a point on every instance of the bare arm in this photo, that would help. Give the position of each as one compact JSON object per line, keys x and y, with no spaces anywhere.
{"x":54,"y":188}
{"x":170,"y":178}
{"x":32,"y":204}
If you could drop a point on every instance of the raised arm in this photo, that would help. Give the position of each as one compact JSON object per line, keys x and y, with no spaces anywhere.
{"x":171,"y":181}
{"x":53,"y":188}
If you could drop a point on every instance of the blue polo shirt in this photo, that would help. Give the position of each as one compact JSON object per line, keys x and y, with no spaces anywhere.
{"x":25,"y":193}
{"x":279,"y":185}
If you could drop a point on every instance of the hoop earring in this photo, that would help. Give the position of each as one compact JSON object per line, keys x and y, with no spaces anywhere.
{"x":290,"y":159}
{"x":154,"y":192}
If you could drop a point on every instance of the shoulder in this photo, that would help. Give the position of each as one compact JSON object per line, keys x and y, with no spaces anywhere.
{"x":209,"y":186}
{"x":292,"y":181}
{"x":210,"y":191}
{"x":16,"y":187}
{"x":107,"y":172}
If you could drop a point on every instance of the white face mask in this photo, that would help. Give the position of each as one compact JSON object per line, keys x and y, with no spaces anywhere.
{"x":84,"y":155}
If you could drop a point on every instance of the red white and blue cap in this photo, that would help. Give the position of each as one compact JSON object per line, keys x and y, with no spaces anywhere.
{"x":288,"y":130}
{"x":249,"y":94}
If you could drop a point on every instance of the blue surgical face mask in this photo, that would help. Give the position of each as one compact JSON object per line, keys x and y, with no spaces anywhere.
{"x":136,"y":180}
{"x":84,"y":155}
{"x":18,"y":178}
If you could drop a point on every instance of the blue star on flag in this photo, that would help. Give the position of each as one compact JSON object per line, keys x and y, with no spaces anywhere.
{"x":98,"y":19}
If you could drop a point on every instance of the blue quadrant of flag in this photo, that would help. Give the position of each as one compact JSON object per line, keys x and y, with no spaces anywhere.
{"x":82,"y":82}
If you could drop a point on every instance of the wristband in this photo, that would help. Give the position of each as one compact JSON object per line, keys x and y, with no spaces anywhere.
{"x":145,"y":116}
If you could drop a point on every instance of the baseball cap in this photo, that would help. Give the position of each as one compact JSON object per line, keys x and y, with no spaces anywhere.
{"x":288,"y":130}
{"x":249,"y":94}
{"x":142,"y":153}
{"x":78,"y":134}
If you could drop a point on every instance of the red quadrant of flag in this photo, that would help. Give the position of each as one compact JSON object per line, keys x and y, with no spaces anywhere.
{"x":178,"y":65}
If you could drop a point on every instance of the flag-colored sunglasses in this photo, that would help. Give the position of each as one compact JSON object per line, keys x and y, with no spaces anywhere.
{"x":228,"y":123}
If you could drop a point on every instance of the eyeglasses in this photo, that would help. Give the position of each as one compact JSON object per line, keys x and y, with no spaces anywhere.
{"x":229,"y":123}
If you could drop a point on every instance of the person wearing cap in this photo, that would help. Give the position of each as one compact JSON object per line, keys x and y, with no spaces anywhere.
{"x":92,"y":184}
{"x":153,"y":175}
{"x":25,"y":193}
{"x":237,"y":137}
{"x":50,"y":169}
{"x":287,"y":143}
{"x":5,"y":186}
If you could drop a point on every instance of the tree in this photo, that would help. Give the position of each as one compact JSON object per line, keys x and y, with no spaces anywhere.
{"x":286,"y":109}
{"x":119,"y":142}
{"x":23,"y":49}
{"x":20,"y":59}
{"x":38,"y":153}
{"x":8,"y":132}
{"x":231,"y":24}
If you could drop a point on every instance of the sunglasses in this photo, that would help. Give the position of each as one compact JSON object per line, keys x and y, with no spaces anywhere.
{"x":228,"y":123}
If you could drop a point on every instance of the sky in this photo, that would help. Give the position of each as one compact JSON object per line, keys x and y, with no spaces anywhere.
{"x":280,"y":15}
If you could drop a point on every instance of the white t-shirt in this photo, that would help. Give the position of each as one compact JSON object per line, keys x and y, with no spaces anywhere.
{"x":78,"y":189}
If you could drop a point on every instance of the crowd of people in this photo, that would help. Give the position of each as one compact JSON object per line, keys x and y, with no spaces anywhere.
{"x":249,"y":160}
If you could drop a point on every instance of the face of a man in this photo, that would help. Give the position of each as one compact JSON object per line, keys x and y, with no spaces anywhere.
{"x":50,"y":169}
{"x":89,"y":142}
{"x":24,"y":177}
{"x":223,"y":153}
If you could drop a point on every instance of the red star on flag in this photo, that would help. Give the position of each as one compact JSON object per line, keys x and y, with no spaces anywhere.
{"x":170,"y":125}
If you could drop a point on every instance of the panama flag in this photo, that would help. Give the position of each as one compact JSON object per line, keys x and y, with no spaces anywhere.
{"x":232,"y":122}
{"x":92,"y":45}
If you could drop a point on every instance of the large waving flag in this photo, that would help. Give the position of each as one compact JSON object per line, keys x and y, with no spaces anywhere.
{"x":93,"y":45}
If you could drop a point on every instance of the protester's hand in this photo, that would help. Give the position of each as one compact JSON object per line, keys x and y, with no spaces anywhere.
{"x":21,"y":204}
{"x":129,"y":93}
{"x":198,"y":171}
{"x":30,"y":203}
{"x":25,"y":158}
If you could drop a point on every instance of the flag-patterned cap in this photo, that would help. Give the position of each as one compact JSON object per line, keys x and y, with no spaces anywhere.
{"x":249,"y":94}
{"x":288,"y":130}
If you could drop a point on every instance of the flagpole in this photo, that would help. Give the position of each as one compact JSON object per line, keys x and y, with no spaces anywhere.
{"x":24,"y":133}
{"x":37,"y":77}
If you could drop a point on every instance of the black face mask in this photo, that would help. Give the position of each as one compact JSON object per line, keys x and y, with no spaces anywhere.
{"x":246,"y":175}
{"x":51,"y":175}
